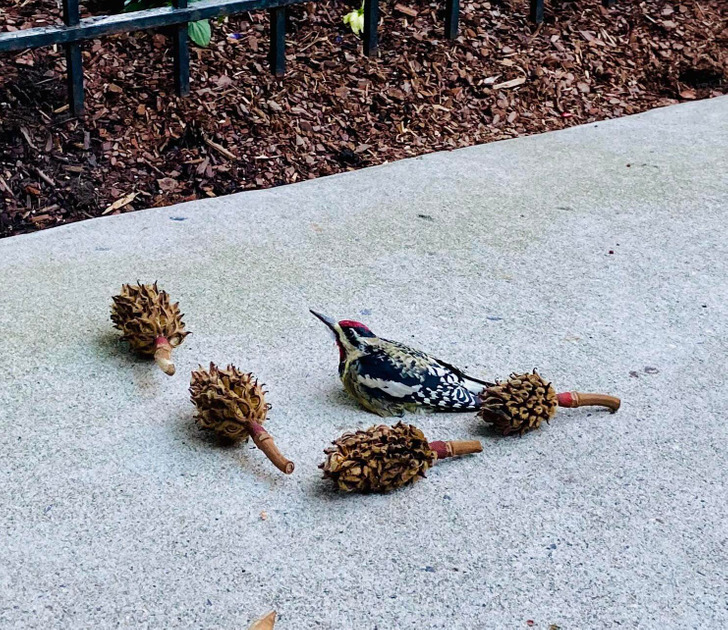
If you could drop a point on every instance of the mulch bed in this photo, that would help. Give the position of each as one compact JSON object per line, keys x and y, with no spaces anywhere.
{"x":140,"y":146}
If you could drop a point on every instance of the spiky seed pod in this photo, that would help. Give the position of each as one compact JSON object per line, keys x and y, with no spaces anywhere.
{"x":227,"y":401}
{"x":149,"y":322}
{"x":378,"y":459}
{"x":232,"y":403}
{"x":519,"y":404}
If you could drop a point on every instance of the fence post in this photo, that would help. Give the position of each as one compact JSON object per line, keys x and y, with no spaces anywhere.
{"x":74,"y":62}
{"x":537,"y":11}
{"x":371,"y":22}
{"x":278,"y":41}
{"x":181,"y":54}
{"x":452,"y":12}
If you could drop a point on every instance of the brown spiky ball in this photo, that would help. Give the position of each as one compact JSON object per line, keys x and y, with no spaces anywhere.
{"x":227,"y":400}
{"x":519,"y":404}
{"x":379,"y":459}
{"x":143,"y":313}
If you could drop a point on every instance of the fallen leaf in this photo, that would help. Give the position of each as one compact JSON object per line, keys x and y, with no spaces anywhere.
{"x":120,"y":203}
{"x":510,"y":84}
{"x":267,"y":622}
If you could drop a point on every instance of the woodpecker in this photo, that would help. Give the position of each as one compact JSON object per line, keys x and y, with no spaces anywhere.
{"x":389,"y":378}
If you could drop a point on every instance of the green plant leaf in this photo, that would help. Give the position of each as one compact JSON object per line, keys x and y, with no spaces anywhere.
{"x":200,"y":32}
{"x":355,"y":20}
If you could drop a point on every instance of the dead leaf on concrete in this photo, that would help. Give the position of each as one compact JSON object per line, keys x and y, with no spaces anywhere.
{"x":266,"y":622}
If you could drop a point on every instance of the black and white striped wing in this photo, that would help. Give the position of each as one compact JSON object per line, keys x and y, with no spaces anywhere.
{"x":406,"y":375}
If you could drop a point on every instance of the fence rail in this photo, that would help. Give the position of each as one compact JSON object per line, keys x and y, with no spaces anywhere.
{"x":75,"y":30}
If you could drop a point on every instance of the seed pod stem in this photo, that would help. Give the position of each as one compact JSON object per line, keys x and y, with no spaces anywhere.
{"x":163,"y":355}
{"x":455,"y":448}
{"x":578,"y":399}
{"x":265,"y":443}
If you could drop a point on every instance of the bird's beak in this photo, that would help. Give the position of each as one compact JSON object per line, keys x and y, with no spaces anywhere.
{"x":326,"y":320}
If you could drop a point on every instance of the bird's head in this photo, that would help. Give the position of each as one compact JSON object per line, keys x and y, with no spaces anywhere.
{"x":348,"y":334}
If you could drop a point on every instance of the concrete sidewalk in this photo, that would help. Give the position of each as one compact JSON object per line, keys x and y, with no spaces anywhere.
{"x":597,"y":254}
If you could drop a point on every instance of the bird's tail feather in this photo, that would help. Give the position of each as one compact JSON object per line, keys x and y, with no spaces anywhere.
{"x":477,"y":380}
{"x":475,"y":385}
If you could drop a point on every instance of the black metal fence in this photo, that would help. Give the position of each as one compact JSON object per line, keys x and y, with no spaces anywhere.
{"x":75,"y":30}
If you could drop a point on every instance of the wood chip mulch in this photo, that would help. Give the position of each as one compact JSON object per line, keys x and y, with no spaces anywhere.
{"x":140,"y":146}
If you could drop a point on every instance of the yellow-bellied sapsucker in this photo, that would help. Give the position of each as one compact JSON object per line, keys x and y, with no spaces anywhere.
{"x":389,"y":378}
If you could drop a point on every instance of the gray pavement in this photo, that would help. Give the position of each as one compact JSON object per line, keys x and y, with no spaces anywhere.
{"x":597,"y":254}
